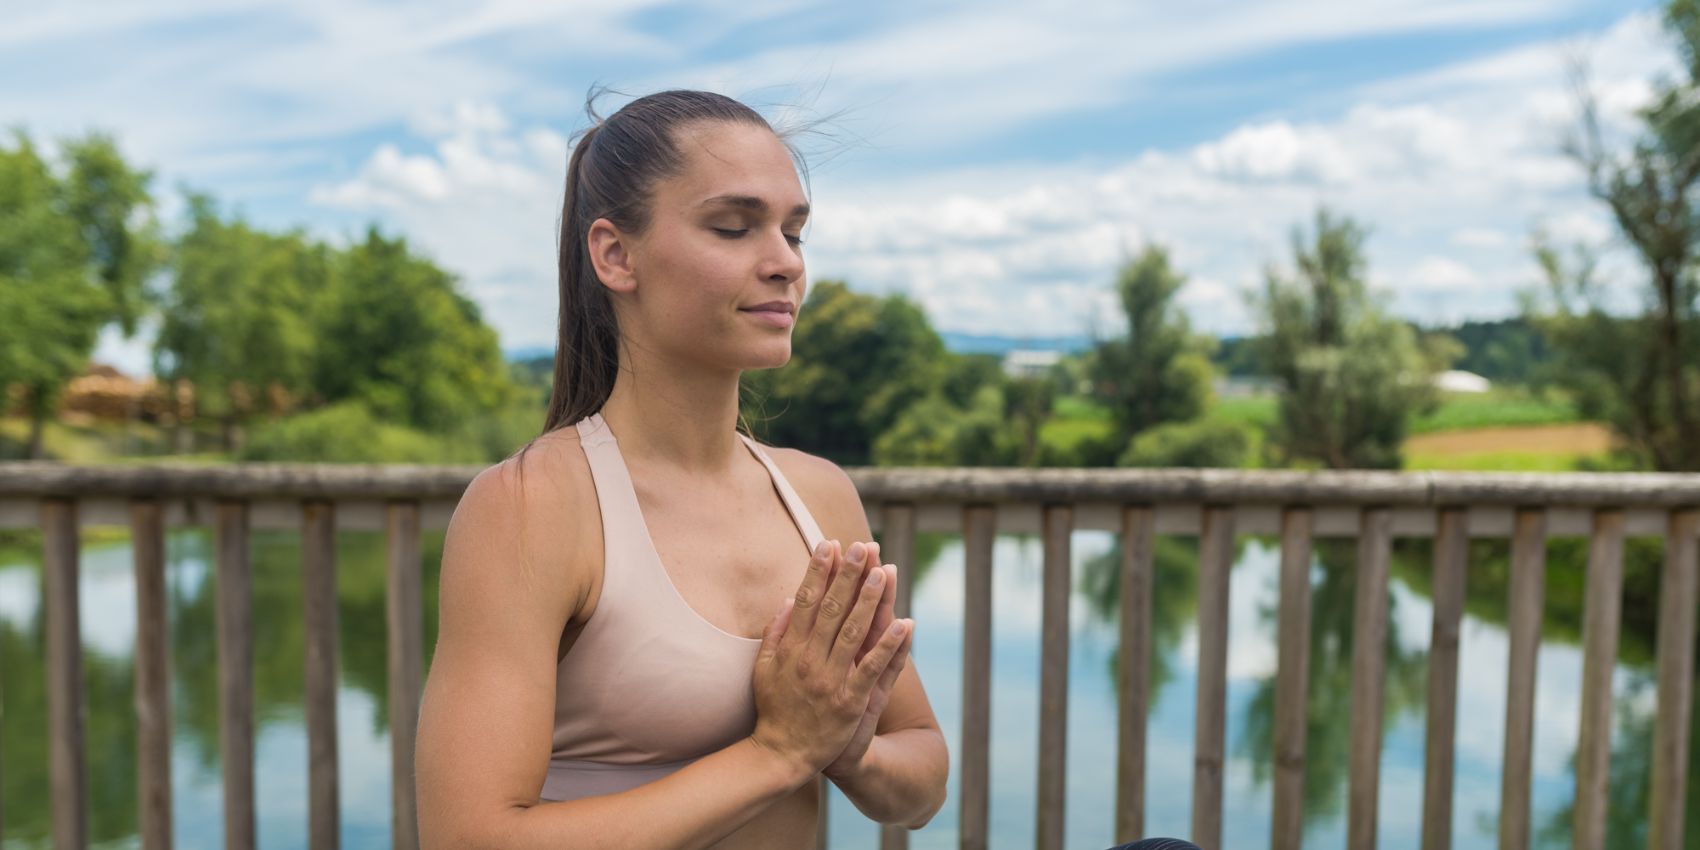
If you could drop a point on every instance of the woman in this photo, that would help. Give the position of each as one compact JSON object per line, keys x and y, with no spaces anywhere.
{"x":649,"y":634}
{"x":629,"y":594}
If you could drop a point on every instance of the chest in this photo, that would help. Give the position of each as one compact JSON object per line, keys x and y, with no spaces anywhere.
{"x":733,"y":556}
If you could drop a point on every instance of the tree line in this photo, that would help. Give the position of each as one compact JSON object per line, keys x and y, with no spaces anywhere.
{"x":369,"y":351}
{"x":250,"y":324}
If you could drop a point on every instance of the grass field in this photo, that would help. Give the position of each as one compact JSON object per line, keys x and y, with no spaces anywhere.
{"x":1500,"y":430}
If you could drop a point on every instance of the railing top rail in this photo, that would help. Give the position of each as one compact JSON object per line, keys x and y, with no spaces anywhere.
{"x":39,"y":479}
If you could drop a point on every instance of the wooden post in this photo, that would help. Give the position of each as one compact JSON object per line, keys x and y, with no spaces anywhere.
{"x":979,"y":531}
{"x":67,"y":712}
{"x":1053,"y":677}
{"x":1676,"y":683}
{"x":1215,"y":558}
{"x":1602,"y":613}
{"x":1369,"y":673}
{"x":1523,"y":625}
{"x":153,"y":675}
{"x":1139,"y":541}
{"x":1451,"y":557}
{"x":318,"y":587}
{"x":235,"y":627}
{"x":406,"y":665}
{"x":897,"y":546}
{"x":1291,"y":677}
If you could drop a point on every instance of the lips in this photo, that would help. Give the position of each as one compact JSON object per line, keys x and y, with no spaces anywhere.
{"x":770,"y":307}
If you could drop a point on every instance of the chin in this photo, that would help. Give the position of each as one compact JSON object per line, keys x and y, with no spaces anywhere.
{"x":770,"y":358}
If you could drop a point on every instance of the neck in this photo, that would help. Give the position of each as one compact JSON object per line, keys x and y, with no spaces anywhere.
{"x":678,"y":415}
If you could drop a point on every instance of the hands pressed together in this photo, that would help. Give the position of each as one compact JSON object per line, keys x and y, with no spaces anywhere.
{"x":829,"y":659}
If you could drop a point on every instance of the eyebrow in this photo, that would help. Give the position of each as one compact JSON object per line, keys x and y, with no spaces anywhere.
{"x":750,"y":202}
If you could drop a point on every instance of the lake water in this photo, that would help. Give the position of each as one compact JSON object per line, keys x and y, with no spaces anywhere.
{"x":108,"y":623}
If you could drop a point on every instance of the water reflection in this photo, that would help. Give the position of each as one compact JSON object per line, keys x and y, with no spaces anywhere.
{"x":108,"y":626}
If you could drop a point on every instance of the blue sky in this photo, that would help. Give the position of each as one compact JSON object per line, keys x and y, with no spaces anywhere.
{"x":996,"y":161}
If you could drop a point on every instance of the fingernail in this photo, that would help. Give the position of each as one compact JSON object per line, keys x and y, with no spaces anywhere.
{"x":896,"y":628}
{"x":821,"y":549}
{"x":876,"y":577}
{"x":857,"y":551}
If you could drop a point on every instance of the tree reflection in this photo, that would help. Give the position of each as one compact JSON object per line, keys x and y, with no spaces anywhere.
{"x":1174,"y":600}
{"x":1328,"y":693}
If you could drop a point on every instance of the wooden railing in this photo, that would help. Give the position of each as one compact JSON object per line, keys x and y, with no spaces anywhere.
{"x":1140,"y":505}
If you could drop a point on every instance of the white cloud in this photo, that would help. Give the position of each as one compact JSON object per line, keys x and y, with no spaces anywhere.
{"x":1450,"y":168}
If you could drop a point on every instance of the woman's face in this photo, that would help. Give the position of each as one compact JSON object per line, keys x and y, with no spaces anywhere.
{"x":724,"y":237}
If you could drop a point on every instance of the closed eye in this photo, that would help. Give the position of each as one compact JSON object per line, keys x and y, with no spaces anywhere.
{"x":734,"y":234}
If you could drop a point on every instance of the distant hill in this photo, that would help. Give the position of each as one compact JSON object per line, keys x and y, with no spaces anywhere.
{"x":1503,"y":350}
{"x":530,"y":352}
{"x":967,"y":343}
{"x":960,"y":343}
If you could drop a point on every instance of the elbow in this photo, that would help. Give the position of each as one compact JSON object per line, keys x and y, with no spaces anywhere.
{"x":938,"y":791}
{"x":490,"y":833}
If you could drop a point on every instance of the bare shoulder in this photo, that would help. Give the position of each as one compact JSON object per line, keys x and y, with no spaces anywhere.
{"x":827,"y":489}
{"x":528,"y":514}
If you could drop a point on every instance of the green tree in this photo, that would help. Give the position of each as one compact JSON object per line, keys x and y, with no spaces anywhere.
{"x":113,"y":207}
{"x":1160,"y":372}
{"x":54,"y":307}
{"x":1649,"y":389}
{"x":858,"y":362}
{"x":1350,"y":377}
{"x":237,"y":321}
{"x":396,"y":333}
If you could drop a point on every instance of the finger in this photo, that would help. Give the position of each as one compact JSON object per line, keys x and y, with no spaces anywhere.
{"x":836,"y":604}
{"x":856,"y":626}
{"x":807,"y":600}
{"x":868,"y":672}
{"x":888,"y":679}
{"x":885,"y":613}
{"x":775,"y":630}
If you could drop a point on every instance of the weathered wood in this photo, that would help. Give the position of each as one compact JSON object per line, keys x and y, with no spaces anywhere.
{"x":1602,"y":613}
{"x":67,"y":711}
{"x":1133,"y":667}
{"x":822,"y":833}
{"x":1451,"y":559}
{"x":1369,"y":679}
{"x":1523,"y":628}
{"x":1291,"y":677}
{"x":153,"y":676}
{"x":406,"y":666}
{"x":339,"y":482}
{"x":897,"y":546}
{"x":233,"y":616}
{"x":318,"y":591}
{"x":979,"y":530}
{"x":1215,"y":558}
{"x":1053,"y":677}
{"x":1675,"y":664}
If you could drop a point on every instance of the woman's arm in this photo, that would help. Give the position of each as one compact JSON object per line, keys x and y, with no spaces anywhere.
{"x":487,"y":715}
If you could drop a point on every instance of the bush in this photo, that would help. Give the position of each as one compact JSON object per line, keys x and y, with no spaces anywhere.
{"x":1079,"y":443}
{"x":934,"y":432}
{"x":1210,"y":443}
{"x":347,"y":432}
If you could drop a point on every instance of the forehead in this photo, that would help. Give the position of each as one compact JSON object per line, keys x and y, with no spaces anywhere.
{"x":723,"y":158}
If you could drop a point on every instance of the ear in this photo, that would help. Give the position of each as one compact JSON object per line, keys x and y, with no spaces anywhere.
{"x":611,"y":256}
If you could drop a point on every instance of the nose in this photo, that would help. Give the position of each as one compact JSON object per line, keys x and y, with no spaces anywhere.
{"x":783,"y":261}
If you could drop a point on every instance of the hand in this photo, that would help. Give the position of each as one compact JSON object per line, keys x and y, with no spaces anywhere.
{"x":850,"y":759}
{"x":811,"y":692}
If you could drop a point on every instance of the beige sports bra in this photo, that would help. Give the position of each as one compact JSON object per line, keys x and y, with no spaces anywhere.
{"x":649,"y":685}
